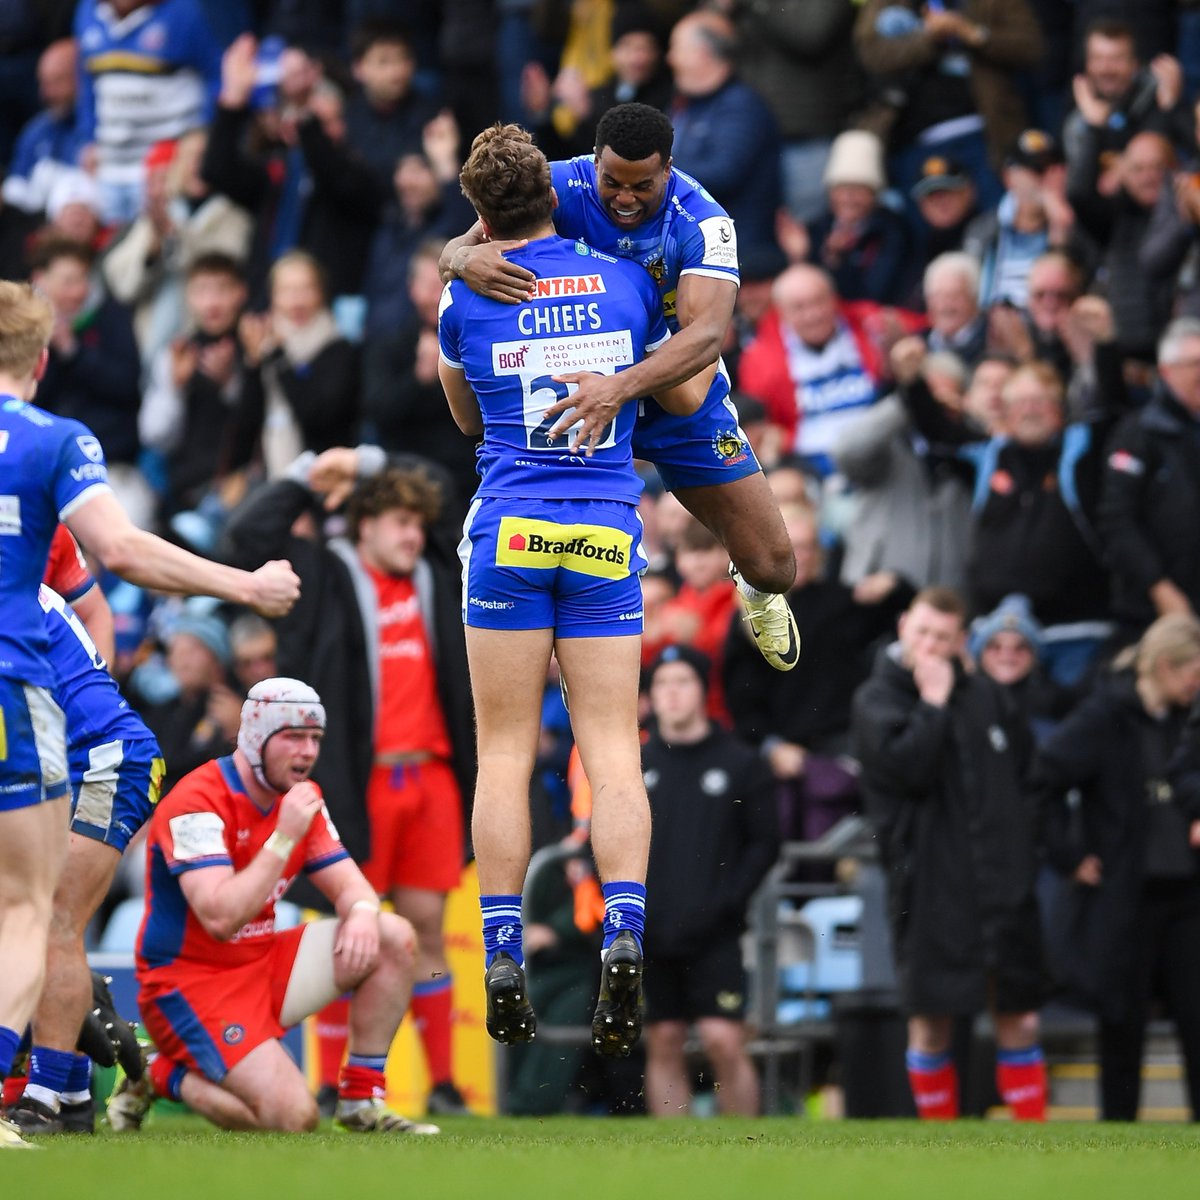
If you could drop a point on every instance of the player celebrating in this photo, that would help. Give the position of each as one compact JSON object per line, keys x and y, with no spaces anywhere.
{"x":218,"y":984}
{"x":630,"y":202}
{"x":551,"y":553}
{"x":116,"y":771}
{"x":52,"y":469}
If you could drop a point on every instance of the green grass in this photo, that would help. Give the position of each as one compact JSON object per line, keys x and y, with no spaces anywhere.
{"x":578,"y":1159}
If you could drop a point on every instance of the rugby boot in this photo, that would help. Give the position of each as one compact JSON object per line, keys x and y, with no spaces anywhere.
{"x":510,"y":1016}
{"x":130,"y":1102}
{"x":617,"y":1023}
{"x":78,"y":1118}
{"x":774,"y":627}
{"x":373,"y":1116}
{"x":11,"y":1139}
{"x":32,"y":1118}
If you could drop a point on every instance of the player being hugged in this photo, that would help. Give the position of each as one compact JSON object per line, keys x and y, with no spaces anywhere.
{"x":551,"y":556}
{"x":218,"y":984}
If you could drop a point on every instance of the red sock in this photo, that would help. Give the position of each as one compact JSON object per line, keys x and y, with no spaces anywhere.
{"x":14,"y":1089}
{"x":934,"y":1082}
{"x":1021,"y":1078}
{"x":430,"y":1008}
{"x":166,"y":1076}
{"x":333,"y":1031}
{"x":359,"y":1081}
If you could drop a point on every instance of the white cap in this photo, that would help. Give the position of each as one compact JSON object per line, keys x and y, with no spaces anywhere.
{"x":856,"y":156}
{"x":271,"y":706}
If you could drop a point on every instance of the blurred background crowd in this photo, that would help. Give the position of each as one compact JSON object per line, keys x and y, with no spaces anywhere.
{"x":966,"y":347}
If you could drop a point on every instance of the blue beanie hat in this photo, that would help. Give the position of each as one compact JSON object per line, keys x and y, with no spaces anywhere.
{"x":208,"y":629}
{"x":1011,"y":615}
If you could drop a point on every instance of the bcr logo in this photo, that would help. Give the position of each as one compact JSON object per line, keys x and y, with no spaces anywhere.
{"x":517,"y":541}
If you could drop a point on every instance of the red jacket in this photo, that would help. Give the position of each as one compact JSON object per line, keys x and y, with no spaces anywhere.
{"x":763,"y":371}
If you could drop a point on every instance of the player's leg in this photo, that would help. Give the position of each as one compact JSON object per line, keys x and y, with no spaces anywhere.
{"x":602,"y":676}
{"x":67,"y":991}
{"x":724,"y":1044}
{"x":266,"y":1084}
{"x":667,"y":1091}
{"x":508,"y":672}
{"x":932,"y":1074}
{"x":743,"y":514}
{"x":1021,"y":1065}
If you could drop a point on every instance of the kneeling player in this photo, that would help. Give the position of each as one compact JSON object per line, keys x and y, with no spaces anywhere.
{"x":219,"y":986}
{"x":551,"y":555}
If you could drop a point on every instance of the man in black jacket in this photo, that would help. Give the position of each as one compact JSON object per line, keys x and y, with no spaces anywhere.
{"x":381,"y":636}
{"x":715,"y":836}
{"x":1150,"y":494}
{"x":944,"y":755}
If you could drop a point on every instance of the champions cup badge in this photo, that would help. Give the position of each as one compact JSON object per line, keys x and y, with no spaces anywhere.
{"x":728,"y":446}
{"x":233,"y":1034}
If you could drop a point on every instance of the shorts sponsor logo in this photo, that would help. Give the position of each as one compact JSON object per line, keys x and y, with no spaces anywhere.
{"x":234,"y":1034}
{"x":544,"y":545}
{"x":636,"y":615}
{"x":727,"y":445}
{"x":491,"y":605}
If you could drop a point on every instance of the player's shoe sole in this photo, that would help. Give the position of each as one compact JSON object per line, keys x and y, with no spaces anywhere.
{"x":617,"y":1023}
{"x":11,"y":1139}
{"x":510,"y":1016}
{"x":774,"y":628}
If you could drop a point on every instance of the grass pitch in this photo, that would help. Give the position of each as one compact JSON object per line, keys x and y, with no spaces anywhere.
{"x":623,"y":1159}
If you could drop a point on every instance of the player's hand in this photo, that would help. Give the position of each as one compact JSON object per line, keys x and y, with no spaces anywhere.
{"x":297,"y":809}
{"x":486,"y":271}
{"x":1090,"y":872}
{"x":239,"y":72}
{"x":587,"y":412}
{"x":276,"y":588}
{"x":356,"y":948}
{"x":934,"y":677}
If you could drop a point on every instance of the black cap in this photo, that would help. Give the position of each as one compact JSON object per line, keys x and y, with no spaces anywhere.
{"x":1035,"y":150}
{"x":939,"y":173}
{"x":689,"y":656}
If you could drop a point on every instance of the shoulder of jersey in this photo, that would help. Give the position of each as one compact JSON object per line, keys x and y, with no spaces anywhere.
{"x":692,"y":194}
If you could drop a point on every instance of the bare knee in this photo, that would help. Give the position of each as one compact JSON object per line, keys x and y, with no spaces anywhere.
{"x":723,"y":1041}
{"x":1015,"y":1031}
{"x":294,"y":1113}
{"x":397,"y":940}
{"x":764,"y":564}
{"x":666,"y":1040}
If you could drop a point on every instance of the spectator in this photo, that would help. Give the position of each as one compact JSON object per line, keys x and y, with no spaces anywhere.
{"x":302,"y":376}
{"x":286,"y":163}
{"x":861,"y":242}
{"x":385,"y":117}
{"x":1118,"y":223}
{"x":1033,"y":216}
{"x":189,"y":418}
{"x":801,"y":724}
{"x":944,"y":756}
{"x":816,"y":361}
{"x":1133,"y":910}
{"x":254,"y":649}
{"x":93,"y":369}
{"x":427,"y":204}
{"x":147,"y":266}
{"x":1116,"y":98}
{"x":952,"y":302}
{"x":638,"y":73}
{"x":723,"y":129}
{"x":1149,"y":508}
{"x":945,"y":76}
{"x":381,"y":626}
{"x":1006,"y":645}
{"x":74,"y":210}
{"x":148,"y":72}
{"x":716,"y":837}
{"x":49,"y":143}
{"x":946,"y":202}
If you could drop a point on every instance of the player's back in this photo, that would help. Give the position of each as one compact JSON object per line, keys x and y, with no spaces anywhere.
{"x":589,"y":312}
{"x":47,"y":467}
{"x":88,"y":695}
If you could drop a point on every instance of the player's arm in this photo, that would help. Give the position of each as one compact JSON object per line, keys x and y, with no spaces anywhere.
{"x":464,"y":404}
{"x":224,"y":899}
{"x":93,"y":610}
{"x":686,"y":398}
{"x":357,"y":906}
{"x":481,"y":265}
{"x":103,"y":527}
{"x":704,"y":305}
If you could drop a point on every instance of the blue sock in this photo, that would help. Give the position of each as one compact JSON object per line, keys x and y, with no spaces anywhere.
{"x":502,"y":927}
{"x":48,"y":1071}
{"x":368,"y":1062}
{"x":79,"y":1079}
{"x":10,"y":1039}
{"x":624,"y":909}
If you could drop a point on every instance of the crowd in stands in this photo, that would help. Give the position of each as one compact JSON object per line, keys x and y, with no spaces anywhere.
{"x":966,"y":347}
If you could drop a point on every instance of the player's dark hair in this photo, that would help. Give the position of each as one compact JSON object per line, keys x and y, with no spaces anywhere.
{"x":507,"y":180}
{"x":635,"y":132}
{"x":393,"y":488}
{"x":214,"y":262}
{"x":376,"y":30}
{"x":1113,"y":29}
{"x":49,"y":248}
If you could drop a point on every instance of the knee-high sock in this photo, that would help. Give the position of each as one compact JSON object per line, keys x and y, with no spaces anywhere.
{"x":431,"y":1011}
{"x":332,"y":1032}
{"x":934,"y":1082}
{"x":1021,"y":1078}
